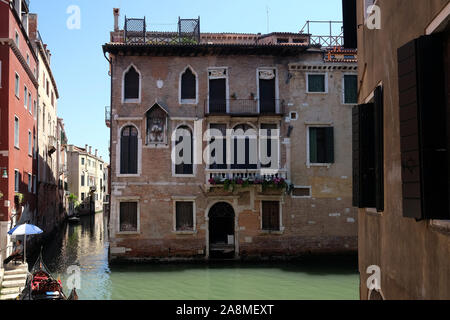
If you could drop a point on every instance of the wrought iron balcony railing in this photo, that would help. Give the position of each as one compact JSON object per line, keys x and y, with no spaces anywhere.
{"x":247,"y":107}
{"x":247,"y":174}
{"x":136,"y":32}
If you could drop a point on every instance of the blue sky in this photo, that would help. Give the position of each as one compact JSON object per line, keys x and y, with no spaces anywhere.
{"x":81,"y":71}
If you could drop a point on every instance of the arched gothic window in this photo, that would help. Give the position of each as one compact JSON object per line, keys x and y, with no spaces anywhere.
{"x":188,"y":85}
{"x":131,"y":84}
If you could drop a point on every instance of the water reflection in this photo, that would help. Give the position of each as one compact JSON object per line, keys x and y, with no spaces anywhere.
{"x":86,"y":245}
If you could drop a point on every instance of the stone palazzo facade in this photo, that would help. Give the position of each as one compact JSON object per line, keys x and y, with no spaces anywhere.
{"x":235,"y":91}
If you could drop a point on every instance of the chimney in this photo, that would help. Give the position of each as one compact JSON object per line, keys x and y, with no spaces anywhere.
{"x":90,"y":150}
{"x":86,"y":147}
{"x":116,"y":12}
{"x":96,"y":150}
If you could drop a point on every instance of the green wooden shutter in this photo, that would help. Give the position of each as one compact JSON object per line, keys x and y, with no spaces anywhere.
{"x":329,"y":138}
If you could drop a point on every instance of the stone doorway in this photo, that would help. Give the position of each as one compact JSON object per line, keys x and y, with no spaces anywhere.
{"x":221,"y":231}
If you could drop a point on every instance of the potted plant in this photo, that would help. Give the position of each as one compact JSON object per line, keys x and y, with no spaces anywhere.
{"x":19,"y":198}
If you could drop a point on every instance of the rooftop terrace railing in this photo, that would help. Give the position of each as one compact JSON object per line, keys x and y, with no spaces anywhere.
{"x":188,"y":32}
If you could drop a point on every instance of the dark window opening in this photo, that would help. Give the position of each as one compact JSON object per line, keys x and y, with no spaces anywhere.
{"x":244,"y":147}
{"x":132,"y":84}
{"x":129,"y":150}
{"x":351,"y":89}
{"x":267,"y":95}
{"x":282,"y":40}
{"x":271,"y":215}
{"x":321,"y":145}
{"x":316,"y":83}
{"x":128,"y":216}
{"x":188,"y":85}
{"x":184,"y":216}
{"x":219,"y":139}
{"x":185,"y":139}
{"x":267,"y":134}
{"x":217,"y":96}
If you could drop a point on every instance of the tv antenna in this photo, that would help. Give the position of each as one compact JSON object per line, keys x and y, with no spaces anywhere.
{"x":267,"y":11}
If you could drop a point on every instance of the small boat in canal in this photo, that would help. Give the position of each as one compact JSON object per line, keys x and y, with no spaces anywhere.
{"x":41,"y":285}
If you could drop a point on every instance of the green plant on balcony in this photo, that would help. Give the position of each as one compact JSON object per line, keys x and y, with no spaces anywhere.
{"x":271,"y":183}
{"x":19,"y":197}
{"x":72,"y":198}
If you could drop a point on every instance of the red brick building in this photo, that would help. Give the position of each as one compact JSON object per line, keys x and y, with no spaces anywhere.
{"x":18,"y":125}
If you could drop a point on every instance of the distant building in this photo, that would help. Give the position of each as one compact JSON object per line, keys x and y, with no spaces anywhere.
{"x":279,"y":185}
{"x":18,"y":119}
{"x":85,"y":178}
{"x":401,"y":144}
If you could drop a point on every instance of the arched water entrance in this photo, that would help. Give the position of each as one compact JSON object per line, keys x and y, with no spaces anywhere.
{"x":221,"y":231}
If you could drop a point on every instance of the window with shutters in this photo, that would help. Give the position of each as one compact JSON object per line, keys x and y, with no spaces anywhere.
{"x":184,"y":151}
{"x":128,"y":220}
{"x":131,"y":85}
{"x":217,"y":98}
{"x":321,"y":146}
{"x":188,"y":87}
{"x":267,"y":90}
{"x":270,"y":211}
{"x":129,"y":150}
{"x":350,"y":89}
{"x":244,"y":147}
{"x":424,"y":126}
{"x":316,"y":83}
{"x":156,"y":126}
{"x":184,"y":216}
{"x":368,"y":153}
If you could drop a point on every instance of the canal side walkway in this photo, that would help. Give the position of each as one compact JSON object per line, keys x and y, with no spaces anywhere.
{"x":13,"y":281}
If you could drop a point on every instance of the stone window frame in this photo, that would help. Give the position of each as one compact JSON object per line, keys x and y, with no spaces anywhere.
{"x":326,"y":76}
{"x":277,"y":87}
{"x":139,"y":151}
{"x":138,"y":213}
{"x":280,"y":202}
{"x":192,"y":199}
{"x":123,"y":85}
{"x":302,"y":197}
{"x":343,"y":88}
{"x":188,"y":101}
{"x":227,"y":84}
{"x":194,"y":141}
{"x":309,"y":164}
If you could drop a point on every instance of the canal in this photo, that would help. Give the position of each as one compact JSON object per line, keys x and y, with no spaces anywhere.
{"x":86,"y":246}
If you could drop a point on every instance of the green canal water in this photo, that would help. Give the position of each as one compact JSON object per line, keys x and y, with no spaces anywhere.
{"x":86,"y":246}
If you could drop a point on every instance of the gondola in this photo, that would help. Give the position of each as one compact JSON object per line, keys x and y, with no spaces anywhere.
{"x":41,"y":285}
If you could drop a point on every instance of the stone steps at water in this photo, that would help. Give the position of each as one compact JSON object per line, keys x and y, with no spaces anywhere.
{"x":9,"y":297}
{"x":7,"y":291}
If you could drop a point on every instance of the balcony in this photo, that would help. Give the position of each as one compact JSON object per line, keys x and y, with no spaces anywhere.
{"x":244,"y":107}
{"x":52,"y":144}
{"x":108,"y":117}
{"x":244,"y":174}
{"x":188,"y":32}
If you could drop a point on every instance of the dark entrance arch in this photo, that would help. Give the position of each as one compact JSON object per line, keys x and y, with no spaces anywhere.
{"x":221,"y":230}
